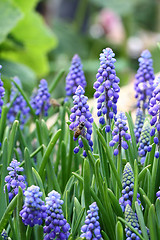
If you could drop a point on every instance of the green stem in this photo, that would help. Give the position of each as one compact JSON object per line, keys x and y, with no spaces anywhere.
{"x":118,"y":170}
{"x":28,"y":233}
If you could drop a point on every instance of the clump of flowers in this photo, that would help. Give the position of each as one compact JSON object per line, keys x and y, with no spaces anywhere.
{"x":154,"y":111}
{"x":56,"y":226}
{"x":14,"y":179}
{"x":4,"y":235}
{"x":81,"y":119}
{"x":75,"y":76}
{"x":144,"y":142}
{"x":41,"y":101}
{"x":34,"y":210}
{"x":133,"y":221}
{"x":120,"y":134}
{"x":138,"y":124}
{"x":91,"y":229}
{"x":107,"y":88}
{"x":18,"y":105}
{"x":144,"y":80}
{"x":128,"y":187}
{"x":2,"y":92}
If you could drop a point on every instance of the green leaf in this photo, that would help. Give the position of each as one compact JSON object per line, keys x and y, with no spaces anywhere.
{"x":141,"y":220}
{"x":86,"y":184}
{"x":48,"y":151}
{"x":21,"y":226}
{"x":110,"y":159}
{"x":56,"y":80}
{"x":9,"y":17}
{"x":26,"y":6}
{"x":152,"y":222}
{"x":142,"y":174}
{"x":115,"y":204}
{"x":78,"y":221}
{"x":119,"y":231}
{"x":12,"y":140}
{"x":135,"y":190}
{"x":39,"y":182}
{"x":5,"y":218}
{"x":3,"y":175}
{"x":28,"y":167}
{"x":25,"y":74}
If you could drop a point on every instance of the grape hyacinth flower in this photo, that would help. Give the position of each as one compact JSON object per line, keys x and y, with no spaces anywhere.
{"x":91,"y":229}
{"x":81,"y":119}
{"x":4,"y":235}
{"x":41,"y":101}
{"x":56,"y":226}
{"x":2,"y":92}
{"x":19,"y":105}
{"x":128,"y":186}
{"x":107,"y":88}
{"x":131,"y":218}
{"x":154,"y":111}
{"x":75,"y":76}
{"x":14,"y":180}
{"x":34,"y":210}
{"x":138,"y":124}
{"x":144,"y":80}
{"x":120,"y":134}
{"x":144,"y":142}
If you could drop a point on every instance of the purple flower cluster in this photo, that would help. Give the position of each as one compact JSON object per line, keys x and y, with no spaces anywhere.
{"x":34,"y":210}
{"x":18,"y":105}
{"x":138,"y":124}
{"x":2,"y":92}
{"x":107,"y":88}
{"x":131,"y":218}
{"x":81,"y":119}
{"x":14,"y":180}
{"x":4,"y":235}
{"x":144,"y":142}
{"x":158,"y":194}
{"x":56,"y":226}
{"x":128,"y":186}
{"x":120,"y":134}
{"x":75,"y":76}
{"x":154,"y":111}
{"x":144,"y":80}
{"x":91,"y":229}
{"x":41,"y":101}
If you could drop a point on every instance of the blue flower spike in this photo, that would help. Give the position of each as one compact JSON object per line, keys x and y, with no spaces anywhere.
{"x":2,"y":92}
{"x":91,"y":230}
{"x":41,"y":101}
{"x":138,"y":124}
{"x":19,"y":105}
{"x":107,"y":88}
{"x":144,"y":80}
{"x":34,"y":210}
{"x":120,"y":134}
{"x":75,"y":76}
{"x":14,"y":180}
{"x":128,"y":186}
{"x":144,"y":142}
{"x":154,"y":111}
{"x":81,"y":120}
{"x":56,"y":226}
{"x":131,"y":218}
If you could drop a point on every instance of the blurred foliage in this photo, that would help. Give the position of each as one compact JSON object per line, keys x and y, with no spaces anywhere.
{"x":25,"y":41}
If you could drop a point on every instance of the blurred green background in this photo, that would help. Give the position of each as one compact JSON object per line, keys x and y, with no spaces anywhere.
{"x":39,"y":38}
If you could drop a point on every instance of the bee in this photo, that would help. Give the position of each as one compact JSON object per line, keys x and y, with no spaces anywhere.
{"x":79,"y":130}
{"x":54,"y":103}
